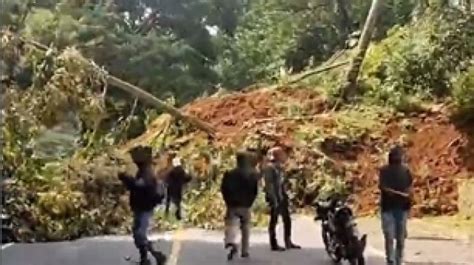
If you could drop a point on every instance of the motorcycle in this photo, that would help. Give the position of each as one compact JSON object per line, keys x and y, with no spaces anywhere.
{"x":339,"y":232}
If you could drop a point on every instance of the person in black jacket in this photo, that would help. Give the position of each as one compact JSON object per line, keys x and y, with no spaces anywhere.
{"x":144,"y":196}
{"x":239,"y":189}
{"x":176,"y":179}
{"x":395,"y":183}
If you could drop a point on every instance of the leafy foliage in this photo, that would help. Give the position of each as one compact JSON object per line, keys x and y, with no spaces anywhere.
{"x":179,"y":50}
{"x":420,"y":59}
{"x":463,"y":92}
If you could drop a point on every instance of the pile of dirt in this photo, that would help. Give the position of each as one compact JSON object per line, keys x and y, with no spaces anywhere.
{"x":438,"y":151}
{"x":238,"y":114}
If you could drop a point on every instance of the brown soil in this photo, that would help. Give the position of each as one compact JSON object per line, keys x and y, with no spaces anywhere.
{"x":438,"y":151}
{"x":239,"y":114}
{"x":435,"y":157}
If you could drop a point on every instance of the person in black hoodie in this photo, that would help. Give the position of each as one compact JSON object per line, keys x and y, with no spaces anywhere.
{"x":176,"y":179}
{"x":145,"y":194}
{"x":395,"y":185}
{"x":239,"y":189}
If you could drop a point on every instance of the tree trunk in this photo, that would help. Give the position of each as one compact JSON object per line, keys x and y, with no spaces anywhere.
{"x":349,"y":89}
{"x":152,"y":100}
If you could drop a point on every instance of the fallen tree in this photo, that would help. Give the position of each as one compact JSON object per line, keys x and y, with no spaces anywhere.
{"x":138,"y":93}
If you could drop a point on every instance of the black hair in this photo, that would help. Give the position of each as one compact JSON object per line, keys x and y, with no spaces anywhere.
{"x":395,"y":155}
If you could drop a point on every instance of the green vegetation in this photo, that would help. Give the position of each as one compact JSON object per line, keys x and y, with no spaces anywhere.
{"x":179,"y":50}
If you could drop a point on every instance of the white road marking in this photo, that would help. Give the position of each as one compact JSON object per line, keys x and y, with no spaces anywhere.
{"x":7,"y":246}
{"x":176,"y":247}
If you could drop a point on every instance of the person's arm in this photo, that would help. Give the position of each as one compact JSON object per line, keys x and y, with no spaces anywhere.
{"x":225,"y":187}
{"x":270,"y":189}
{"x":127,"y":180}
{"x":381,"y":180}
{"x":186,"y":177}
{"x":254,"y":186}
{"x":384,"y":187}
{"x":403,"y":194}
{"x":410,"y":184}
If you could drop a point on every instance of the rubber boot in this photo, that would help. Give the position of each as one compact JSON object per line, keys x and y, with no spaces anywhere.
{"x":144,"y":257}
{"x":232,"y":251}
{"x":274,"y":245}
{"x":291,"y":245}
{"x":159,"y":257}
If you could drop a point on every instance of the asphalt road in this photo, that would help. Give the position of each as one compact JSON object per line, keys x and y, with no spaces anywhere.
{"x":185,"y":247}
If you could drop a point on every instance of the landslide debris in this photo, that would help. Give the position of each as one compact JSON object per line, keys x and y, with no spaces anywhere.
{"x":332,"y":150}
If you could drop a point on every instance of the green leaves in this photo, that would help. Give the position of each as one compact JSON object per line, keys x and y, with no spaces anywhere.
{"x":463,"y":92}
{"x":420,"y":59}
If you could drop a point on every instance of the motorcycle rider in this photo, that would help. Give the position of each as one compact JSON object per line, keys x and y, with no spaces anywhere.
{"x":395,"y":181}
{"x":144,"y":196}
{"x":239,"y":188}
{"x":277,"y":198}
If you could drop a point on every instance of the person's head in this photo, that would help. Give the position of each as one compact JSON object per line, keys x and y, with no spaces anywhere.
{"x":242,"y":159}
{"x":258,"y":155}
{"x":142,"y":156}
{"x":395,"y":156}
{"x":277,"y":154}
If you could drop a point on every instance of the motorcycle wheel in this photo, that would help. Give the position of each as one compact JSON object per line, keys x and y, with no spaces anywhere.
{"x":357,"y":261}
{"x":327,"y":245}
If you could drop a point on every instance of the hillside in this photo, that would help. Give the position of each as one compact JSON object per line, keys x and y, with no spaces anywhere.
{"x":415,"y":88}
{"x":439,"y":150}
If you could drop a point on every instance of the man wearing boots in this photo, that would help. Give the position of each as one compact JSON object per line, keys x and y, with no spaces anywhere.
{"x":239,"y":189}
{"x":144,"y":196}
{"x":277,"y":198}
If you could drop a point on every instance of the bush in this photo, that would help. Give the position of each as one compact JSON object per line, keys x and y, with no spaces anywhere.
{"x":420,"y":59}
{"x":463,"y":92}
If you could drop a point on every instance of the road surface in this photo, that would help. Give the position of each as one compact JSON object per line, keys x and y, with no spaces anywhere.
{"x":184,"y":247}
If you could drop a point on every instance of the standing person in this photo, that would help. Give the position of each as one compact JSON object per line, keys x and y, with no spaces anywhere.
{"x":144,"y":196}
{"x":175,"y":180}
{"x":395,"y":183}
{"x":239,"y":188}
{"x":277,"y":198}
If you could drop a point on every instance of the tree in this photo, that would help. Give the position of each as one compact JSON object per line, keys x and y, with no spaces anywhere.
{"x":349,"y":89}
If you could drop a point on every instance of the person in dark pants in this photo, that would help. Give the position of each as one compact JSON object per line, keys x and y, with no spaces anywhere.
{"x":239,"y":188}
{"x":175,"y":180}
{"x":277,"y":198}
{"x":145,"y":194}
{"x":395,"y":183}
